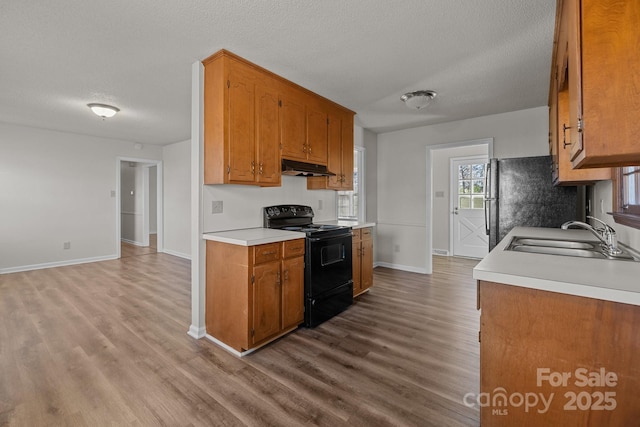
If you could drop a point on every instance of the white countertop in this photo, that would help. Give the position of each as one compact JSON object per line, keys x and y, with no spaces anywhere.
{"x":604,"y":279}
{"x":252,"y":236}
{"x":259,"y":236}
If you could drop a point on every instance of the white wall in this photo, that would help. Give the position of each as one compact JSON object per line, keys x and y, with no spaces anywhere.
{"x":402,"y":174}
{"x":56,"y":187}
{"x":177,"y":198}
{"x":442,"y":184}
{"x":242,"y":204}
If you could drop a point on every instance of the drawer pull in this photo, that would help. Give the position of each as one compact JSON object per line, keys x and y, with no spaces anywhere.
{"x":269,"y":253}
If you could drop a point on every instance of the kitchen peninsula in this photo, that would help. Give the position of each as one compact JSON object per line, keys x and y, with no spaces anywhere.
{"x":255,"y":283}
{"x":559,"y":336}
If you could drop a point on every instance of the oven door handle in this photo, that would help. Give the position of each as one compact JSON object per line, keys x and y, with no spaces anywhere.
{"x":317,"y":239}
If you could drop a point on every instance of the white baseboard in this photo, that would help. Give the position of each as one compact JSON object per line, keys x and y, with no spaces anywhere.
{"x":55,"y":264}
{"x":131,"y":242}
{"x":230,"y":349}
{"x":178,"y":254}
{"x":196,"y":332}
{"x":442,"y":252}
{"x":402,"y":267}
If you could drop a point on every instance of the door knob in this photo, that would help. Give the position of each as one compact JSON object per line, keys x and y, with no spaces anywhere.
{"x":455,"y":211}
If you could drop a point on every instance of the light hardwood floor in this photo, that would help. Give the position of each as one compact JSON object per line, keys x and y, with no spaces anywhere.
{"x":106,"y":344}
{"x":127,"y":249}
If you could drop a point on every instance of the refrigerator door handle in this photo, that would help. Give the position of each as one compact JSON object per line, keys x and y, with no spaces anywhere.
{"x":487,"y":199}
{"x":486,"y":217}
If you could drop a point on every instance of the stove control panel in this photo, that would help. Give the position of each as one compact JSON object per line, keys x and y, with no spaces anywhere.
{"x":288,"y":211}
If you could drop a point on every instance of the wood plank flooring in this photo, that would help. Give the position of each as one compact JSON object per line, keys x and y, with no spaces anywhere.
{"x":105,"y":344}
{"x":127,"y":249}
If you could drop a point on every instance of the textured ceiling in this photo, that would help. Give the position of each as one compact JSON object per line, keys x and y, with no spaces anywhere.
{"x":481,"y":56}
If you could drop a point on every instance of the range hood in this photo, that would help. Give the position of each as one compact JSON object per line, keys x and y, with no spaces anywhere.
{"x":294,"y":168}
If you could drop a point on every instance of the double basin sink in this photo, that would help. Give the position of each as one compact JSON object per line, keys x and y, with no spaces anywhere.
{"x":565,"y":247}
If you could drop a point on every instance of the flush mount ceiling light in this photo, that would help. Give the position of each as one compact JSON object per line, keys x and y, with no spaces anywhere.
{"x":418,"y":99}
{"x":103,"y":110}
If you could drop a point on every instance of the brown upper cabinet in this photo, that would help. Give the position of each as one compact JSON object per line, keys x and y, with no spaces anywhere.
{"x":303,"y":128}
{"x":253,"y":118}
{"x":603,"y":55}
{"x":241,"y":132}
{"x":560,"y":130}
{"x":340,"y":154}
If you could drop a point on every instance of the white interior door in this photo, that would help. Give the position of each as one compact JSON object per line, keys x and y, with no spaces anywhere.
{"x":468,"y":233}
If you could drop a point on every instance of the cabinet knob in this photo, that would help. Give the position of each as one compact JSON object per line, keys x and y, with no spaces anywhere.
{"x":253,"y":167}
{"x":304,"y":148}
{"x":286,"y":275}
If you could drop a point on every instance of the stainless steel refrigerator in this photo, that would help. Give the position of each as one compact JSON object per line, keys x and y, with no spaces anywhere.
{"x":519,"y":192}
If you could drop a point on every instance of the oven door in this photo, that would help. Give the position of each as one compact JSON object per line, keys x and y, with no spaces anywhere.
{"x":328,"y":264}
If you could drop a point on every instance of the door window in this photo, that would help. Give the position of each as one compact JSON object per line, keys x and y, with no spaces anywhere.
{"x":471,"y":179}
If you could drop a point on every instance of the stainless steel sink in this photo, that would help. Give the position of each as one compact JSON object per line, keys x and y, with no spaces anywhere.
{"x":569,"y":244}
{"x":563,"y":247}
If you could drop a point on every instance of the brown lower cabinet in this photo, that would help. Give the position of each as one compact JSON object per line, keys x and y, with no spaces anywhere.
{"x":551,"y":359}
{"x":362,"y":260}
{"x":254,"y":294}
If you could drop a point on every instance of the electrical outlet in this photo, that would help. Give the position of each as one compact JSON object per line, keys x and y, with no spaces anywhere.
{"x":319,"y":205}
{"x":113,"y":193}
{"x":396,"y":248}
{"x":216,"y":206}
{"x":66,"y":245}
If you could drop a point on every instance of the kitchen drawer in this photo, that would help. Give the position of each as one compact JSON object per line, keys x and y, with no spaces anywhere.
{"x":266,"y":253}
{"x":366,"y":233}
{"x":293,"y":248}
{"x":356,"y":235}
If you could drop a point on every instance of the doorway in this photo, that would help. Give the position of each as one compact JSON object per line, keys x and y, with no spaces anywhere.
{"x":468,"y":237}
{"x":439,"y":205}
{"x":139,"y":199}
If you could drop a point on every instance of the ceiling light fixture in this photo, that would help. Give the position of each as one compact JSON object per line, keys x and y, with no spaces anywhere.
{"x":418,"y":99}
{"x":103,"y":110}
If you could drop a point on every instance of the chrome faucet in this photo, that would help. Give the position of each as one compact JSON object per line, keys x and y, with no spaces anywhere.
{"x":606,"y":234}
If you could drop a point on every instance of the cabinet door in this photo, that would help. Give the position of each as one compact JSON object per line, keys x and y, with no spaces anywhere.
{"x":293,"y":144}
{"x":605,"y":39}
{"x":334,"y":159}
{"x":266,"y":301}
{"x":316,"y":135}
{"x":571,"y":10}
{"x":356,"y":255}
{"x":553,"y":121}
{"x":367,"y":260}
{"x":267,"y":136}
{"x":563,"y":132}
{"x":241,"y":131}
{"x":292,"y":292}
{"x":347,"y":152}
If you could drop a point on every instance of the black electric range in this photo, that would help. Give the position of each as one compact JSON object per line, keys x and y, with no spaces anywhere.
{"x":328,"y":284}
